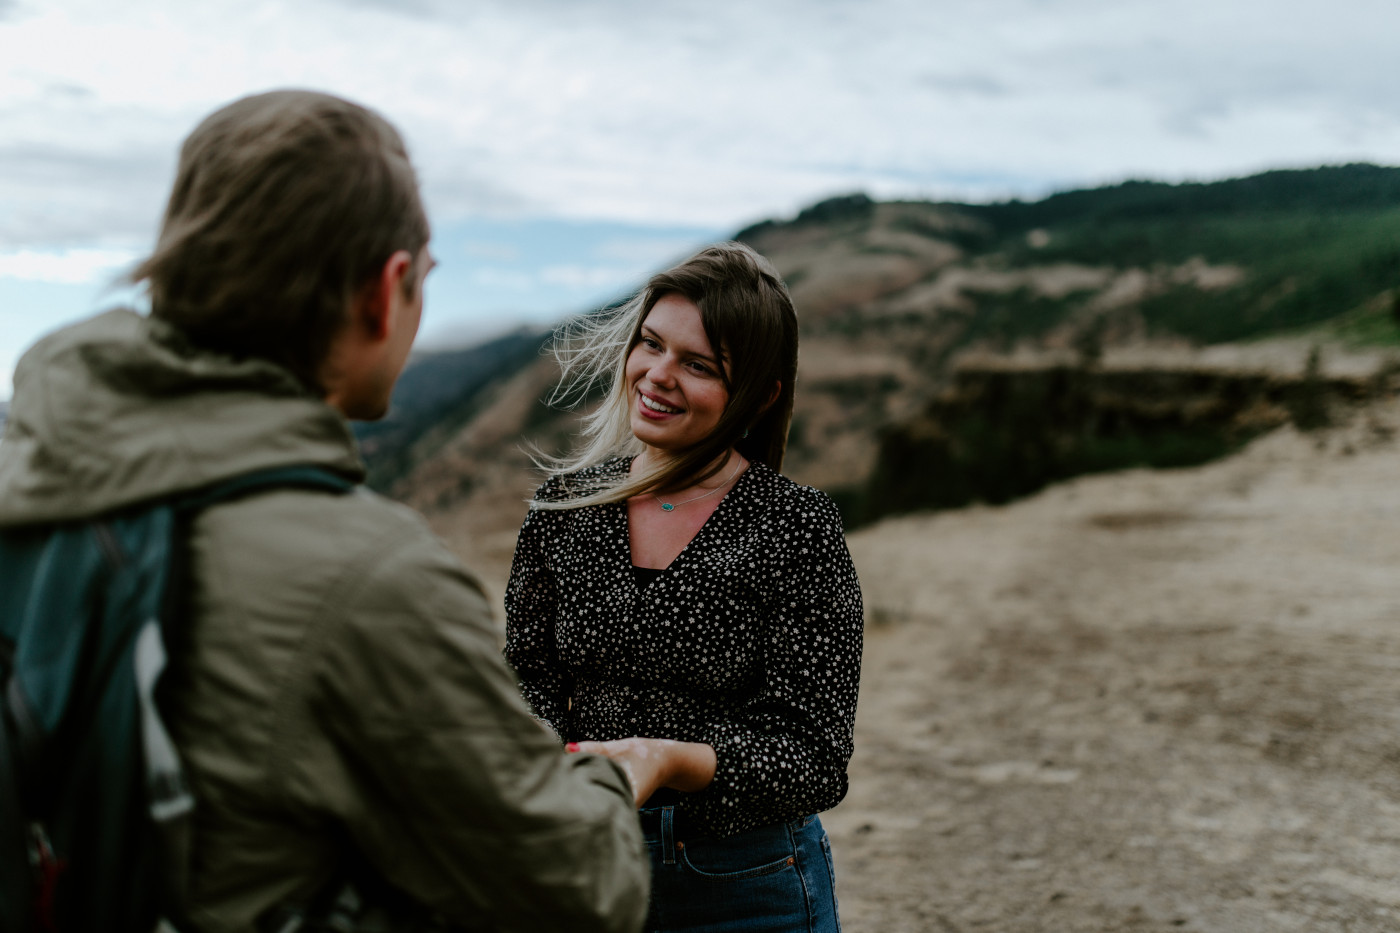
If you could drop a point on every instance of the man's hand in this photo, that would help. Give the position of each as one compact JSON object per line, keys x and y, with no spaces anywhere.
{"x":651,"y":764}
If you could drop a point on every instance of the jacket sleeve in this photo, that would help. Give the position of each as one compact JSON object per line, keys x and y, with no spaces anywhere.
{"x":464,"y":800}
{"x":783,"y":753}
{"x":531,"y":606}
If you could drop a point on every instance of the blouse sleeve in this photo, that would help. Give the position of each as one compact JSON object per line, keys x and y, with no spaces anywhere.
{"x":531,"y":602}
{"x":783,"y":754}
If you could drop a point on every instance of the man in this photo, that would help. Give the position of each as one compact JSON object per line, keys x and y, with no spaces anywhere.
{"x":336,"y":692}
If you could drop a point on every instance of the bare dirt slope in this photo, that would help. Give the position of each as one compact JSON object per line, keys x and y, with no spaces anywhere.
{"x":1142,"y":701}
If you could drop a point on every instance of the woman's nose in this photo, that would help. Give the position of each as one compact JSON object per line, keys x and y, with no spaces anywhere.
{"x":662,"y":372}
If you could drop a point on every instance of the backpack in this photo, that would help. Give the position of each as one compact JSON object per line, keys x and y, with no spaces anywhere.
{"x":93,"y":803}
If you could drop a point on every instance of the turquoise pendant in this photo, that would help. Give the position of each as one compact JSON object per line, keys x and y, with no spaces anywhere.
{"x":666,"y":506}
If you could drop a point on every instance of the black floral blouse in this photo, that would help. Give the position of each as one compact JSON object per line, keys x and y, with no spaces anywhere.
{"x":749,"y":641}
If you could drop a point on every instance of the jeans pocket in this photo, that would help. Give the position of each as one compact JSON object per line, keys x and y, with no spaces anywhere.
{"x":752,"y":854}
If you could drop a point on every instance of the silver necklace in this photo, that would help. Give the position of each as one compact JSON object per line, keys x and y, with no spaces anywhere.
{"x":668,"y":506}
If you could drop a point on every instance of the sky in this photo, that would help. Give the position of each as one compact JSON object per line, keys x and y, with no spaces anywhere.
{"x":568,"y":148}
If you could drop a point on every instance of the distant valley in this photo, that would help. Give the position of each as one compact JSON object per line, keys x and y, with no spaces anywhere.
{"x":898,"y":298}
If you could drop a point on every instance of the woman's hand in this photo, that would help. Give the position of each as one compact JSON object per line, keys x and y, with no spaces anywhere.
{"x":651,"y":764}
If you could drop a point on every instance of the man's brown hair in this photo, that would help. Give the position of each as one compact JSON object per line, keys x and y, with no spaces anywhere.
{"x":285,"y":207}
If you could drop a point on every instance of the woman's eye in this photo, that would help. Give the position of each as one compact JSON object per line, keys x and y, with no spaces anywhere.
{"x":700,"y":368}
{"x":650,"y":344}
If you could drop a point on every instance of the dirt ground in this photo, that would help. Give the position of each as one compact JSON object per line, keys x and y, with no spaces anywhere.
{"x":1145,"y":701}
{"x":1137,"y":702}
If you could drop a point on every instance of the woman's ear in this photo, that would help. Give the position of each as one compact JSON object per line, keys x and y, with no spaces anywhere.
{"x":772,"y":396}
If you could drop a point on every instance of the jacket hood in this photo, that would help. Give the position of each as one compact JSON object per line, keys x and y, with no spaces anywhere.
{"x":120,"y":409}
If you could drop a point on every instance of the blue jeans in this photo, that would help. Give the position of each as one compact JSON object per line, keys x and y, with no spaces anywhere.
{"x":773,"y":879}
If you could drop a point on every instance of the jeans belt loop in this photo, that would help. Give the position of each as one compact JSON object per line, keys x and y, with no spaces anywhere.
{"x":668,"y":835}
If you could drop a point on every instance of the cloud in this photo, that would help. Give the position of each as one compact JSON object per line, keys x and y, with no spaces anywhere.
{"x":700,"y":114}
{"x":497,"y":252}
{"x":643,"y":251}
{"x":67,"y":267}
{"x":577,"y":276}
{"x":716,"y":113}
{"x":395,"y":7}
{"x":504,"y":279}
{"x":56,"y":197}
{"x":571,"y":276}
{"x":966,"y":84}
{"x":64,"y":89}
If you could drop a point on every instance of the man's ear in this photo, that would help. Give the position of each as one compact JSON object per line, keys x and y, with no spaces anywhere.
{"x":375,"y":308}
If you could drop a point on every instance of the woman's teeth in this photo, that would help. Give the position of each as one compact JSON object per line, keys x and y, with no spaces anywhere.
{"x":657,"y":406}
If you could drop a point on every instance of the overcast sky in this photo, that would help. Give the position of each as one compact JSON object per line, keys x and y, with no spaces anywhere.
{"x":569,"y":147}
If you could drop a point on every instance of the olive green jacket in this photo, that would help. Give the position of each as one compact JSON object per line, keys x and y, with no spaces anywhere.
{"x":338,"y":687}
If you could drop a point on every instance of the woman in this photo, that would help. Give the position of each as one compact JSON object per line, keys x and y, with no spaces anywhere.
{"x":679,"y":606}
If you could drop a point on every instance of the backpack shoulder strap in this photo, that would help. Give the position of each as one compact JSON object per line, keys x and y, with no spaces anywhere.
{"x":16,"y":888}
{"x":246,"y":484}
{"x":168,"y":793}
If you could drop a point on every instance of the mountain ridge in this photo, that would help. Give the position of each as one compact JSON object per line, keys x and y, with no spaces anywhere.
{"x":895,"y":296}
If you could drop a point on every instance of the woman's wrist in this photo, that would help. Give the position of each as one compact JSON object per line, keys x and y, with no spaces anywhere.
{"x":690,"y":766}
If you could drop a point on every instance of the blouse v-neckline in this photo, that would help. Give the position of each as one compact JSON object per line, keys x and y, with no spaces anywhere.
{"x":626,"y":522}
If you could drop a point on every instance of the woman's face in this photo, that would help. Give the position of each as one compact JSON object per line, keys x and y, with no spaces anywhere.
{"x":673,"y":378}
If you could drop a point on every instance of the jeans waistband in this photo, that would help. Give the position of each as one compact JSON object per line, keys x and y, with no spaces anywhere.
{"x":663,"y":797}
{"x":679,"y":827}
{"x":667,"y":821}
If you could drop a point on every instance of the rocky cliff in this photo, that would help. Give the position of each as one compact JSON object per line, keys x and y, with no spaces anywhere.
{"x":1004,"y":428}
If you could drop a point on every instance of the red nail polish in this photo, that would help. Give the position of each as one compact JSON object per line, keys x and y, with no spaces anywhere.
{"x":571,"y":747}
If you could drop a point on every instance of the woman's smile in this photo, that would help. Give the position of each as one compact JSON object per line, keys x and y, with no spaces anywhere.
{"x":654,"y":407}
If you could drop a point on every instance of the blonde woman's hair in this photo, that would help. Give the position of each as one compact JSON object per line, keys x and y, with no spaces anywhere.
{"x":748,"y":317}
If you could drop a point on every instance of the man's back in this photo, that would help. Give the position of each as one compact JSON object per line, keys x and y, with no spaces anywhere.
{"x":336,"y":693}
